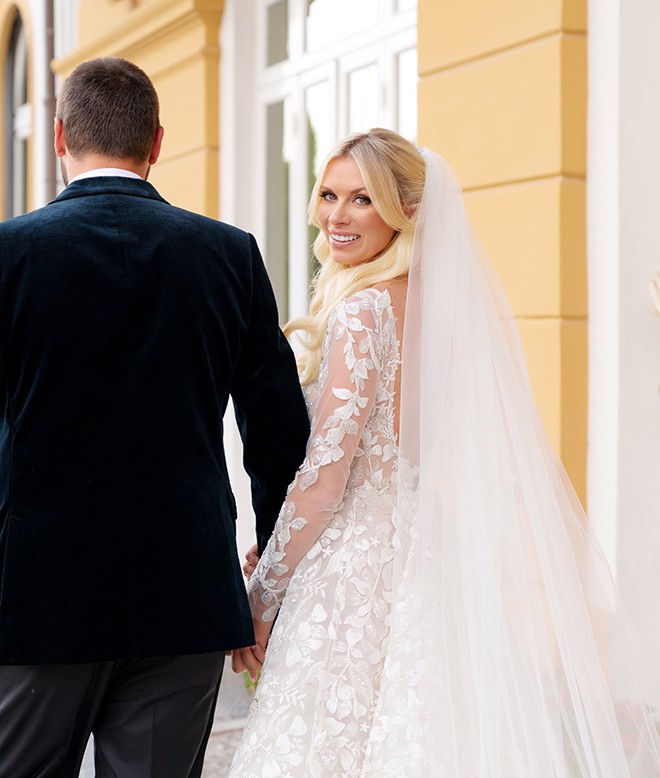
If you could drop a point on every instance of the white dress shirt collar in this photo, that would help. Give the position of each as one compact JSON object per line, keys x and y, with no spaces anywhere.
{"x":106,"y":171}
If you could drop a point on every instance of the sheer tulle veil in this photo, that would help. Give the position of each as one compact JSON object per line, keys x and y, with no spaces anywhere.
{"x":509,"y":656}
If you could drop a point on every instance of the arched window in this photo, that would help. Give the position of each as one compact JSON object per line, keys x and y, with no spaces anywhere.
{"x":18,"y":121}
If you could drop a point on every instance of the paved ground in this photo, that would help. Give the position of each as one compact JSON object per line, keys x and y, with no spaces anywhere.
{"x":220,"y":753}
{"x":233,"y":703}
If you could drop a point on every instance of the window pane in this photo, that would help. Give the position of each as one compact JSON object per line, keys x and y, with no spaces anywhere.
{"x":277,"y":204}
{"x":65,"y":38}
{"x":329,"y":21}
{"x":407,"y":94}
{"x":319,"y":140}
{"x":277,"y":49}
{"x":19,"y":68}
{"x":317,"y":101}
{"x":363,"y":94}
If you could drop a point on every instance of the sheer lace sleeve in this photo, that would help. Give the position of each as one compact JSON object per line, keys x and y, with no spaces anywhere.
{"x":346,"y":394}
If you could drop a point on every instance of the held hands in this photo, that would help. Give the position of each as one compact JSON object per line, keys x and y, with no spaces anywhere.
{"x":252,"y":558}
{"x":251,"y":658}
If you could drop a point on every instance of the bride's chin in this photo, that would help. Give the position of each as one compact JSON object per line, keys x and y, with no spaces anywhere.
{"x":355,"y":263}
{"x":347,"y":262}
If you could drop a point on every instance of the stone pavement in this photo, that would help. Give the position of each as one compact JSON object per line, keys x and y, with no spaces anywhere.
{"x":220,"y":753}
{"x":230,"y":713}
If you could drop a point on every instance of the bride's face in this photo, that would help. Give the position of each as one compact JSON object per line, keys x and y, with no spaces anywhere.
{"x":354,"y":229}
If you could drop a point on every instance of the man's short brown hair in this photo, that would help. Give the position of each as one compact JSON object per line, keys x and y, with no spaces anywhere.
{"x":109,"y":106}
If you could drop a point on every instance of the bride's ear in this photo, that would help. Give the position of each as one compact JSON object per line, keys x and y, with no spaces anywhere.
{"x":410,"y":208}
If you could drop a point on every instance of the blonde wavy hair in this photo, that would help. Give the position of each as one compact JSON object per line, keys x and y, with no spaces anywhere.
{"x":393,"y":172}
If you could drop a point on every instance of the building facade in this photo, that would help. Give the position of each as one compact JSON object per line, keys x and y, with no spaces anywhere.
{"x":522,"y":98}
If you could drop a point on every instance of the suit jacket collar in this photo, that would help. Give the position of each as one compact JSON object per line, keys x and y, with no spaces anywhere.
{"x":102,"y":185}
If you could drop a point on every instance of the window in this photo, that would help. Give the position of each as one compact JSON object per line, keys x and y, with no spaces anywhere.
{"x":317,"y":79}
{"x":18,"y":121}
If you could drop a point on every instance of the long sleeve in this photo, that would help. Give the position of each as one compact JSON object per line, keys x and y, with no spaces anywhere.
{"x":346,"y":394}
{"x":269,"y":406}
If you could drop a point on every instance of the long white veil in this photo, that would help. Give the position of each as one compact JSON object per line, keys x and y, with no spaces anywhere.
{"x":508,"y":656}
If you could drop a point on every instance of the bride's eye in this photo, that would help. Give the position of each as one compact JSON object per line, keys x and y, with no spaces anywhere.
{"x":328,"y":196}
{"x":363,"y":200}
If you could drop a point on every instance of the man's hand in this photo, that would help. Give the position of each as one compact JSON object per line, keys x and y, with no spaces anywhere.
{"x":252,"y":558}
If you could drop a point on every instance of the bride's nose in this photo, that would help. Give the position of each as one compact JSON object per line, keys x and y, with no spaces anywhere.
{"x":340,"y":214}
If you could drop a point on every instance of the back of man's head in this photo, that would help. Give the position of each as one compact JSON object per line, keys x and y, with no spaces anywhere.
{"x":108,"y":106}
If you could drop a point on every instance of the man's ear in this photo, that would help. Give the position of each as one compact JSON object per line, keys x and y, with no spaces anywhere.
{"x":155,"y":149}
{"x":60,"y":140}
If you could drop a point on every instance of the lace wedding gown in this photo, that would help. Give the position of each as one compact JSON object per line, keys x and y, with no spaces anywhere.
{"x":444,"y":613}
{"x":328,"y":565}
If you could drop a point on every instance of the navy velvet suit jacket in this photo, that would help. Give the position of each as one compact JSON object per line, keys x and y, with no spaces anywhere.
{"x":125,"y":326}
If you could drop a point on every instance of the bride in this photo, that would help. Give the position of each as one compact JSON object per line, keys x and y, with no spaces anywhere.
{"x":441,"y":610}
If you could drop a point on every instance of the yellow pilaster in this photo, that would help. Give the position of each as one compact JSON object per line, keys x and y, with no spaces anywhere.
{"x":503,"y":97}
{"x":177,"y":43}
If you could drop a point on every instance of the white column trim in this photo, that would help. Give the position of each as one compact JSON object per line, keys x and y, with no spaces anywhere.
{"x":237,"y":164}
{"x":603,"y":250}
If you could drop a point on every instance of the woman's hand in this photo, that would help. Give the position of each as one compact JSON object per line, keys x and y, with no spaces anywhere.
{"x":252,"y":558}
{"x":262,"y":633}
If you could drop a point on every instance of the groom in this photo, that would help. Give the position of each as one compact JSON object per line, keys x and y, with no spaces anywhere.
{"x":125,"y":326}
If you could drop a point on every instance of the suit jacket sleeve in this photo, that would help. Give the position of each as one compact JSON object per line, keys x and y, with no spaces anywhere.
{"x":269,"y":406}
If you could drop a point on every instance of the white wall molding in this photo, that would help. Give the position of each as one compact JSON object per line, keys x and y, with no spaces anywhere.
{"x":603,"y":271}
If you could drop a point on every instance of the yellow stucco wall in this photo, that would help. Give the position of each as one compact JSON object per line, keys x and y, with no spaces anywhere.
{"x":503,"y":97}
{"x":176,"y":43}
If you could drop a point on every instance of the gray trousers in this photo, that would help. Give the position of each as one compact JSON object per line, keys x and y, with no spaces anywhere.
{"x":151,"y":718}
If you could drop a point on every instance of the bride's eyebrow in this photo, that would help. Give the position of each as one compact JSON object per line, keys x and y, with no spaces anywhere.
{"x":361,"y":190}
